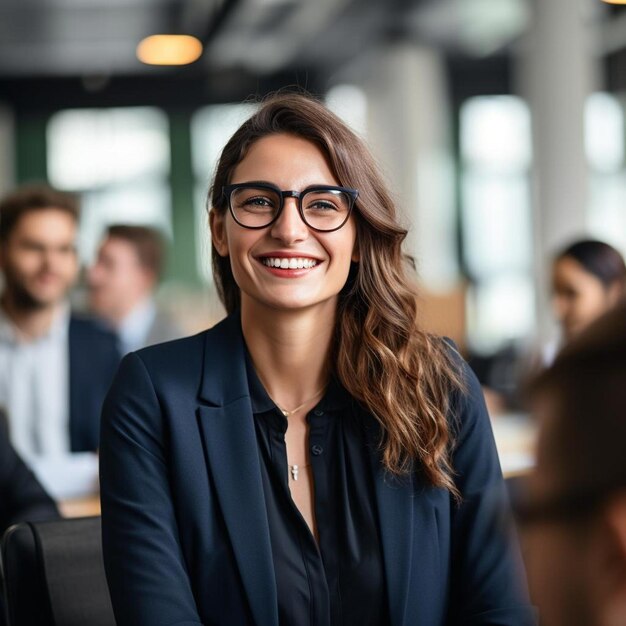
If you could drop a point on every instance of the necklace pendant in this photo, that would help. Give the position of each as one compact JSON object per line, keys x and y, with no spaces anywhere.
{"x":294,"y":471}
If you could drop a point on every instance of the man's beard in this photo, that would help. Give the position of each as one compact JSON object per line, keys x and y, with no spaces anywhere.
{"x":21,"y":298}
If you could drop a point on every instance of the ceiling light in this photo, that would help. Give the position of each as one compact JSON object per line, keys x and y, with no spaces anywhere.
{"x":169,"y":50}
{"x":615,"y":1}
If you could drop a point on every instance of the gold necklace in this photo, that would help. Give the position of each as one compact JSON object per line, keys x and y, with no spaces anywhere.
{"x":288,"y":413}
{"x":295,"y":468}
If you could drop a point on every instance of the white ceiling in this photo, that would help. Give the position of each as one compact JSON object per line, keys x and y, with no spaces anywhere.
{"x":99,"y":37}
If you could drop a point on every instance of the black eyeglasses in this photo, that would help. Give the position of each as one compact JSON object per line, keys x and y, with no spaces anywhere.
{"x":322,"y":207}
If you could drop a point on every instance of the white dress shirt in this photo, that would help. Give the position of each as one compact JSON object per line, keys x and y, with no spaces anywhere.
{"x":34,"y":387}
{"x":134,"y":330}
{"x":34,"y":391}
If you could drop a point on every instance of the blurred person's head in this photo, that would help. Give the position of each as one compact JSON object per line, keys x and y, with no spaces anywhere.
{"x":574,"y":518}
{"x":38,"y":227}
{"x":588,"y":278}
{"x":126,"y":271}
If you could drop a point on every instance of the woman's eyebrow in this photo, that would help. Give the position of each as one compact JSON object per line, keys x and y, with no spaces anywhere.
{"x":271,"y":184}
{"x":257,"y":182}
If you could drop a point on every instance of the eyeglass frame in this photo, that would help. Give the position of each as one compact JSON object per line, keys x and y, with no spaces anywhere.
{"x":353,"y":194}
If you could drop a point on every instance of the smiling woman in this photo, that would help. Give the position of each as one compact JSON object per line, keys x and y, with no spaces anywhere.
{"x":317,"y":448}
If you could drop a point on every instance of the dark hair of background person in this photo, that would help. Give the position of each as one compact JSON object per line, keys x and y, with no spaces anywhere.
{"x":583,"y":441}
{"x":598,"y":258}
{"x":34,"y":197}
{"x":147,"y":242}
{"x":401,"y":374}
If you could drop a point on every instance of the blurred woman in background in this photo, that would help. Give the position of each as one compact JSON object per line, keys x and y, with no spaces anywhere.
{"x":588,"y":279}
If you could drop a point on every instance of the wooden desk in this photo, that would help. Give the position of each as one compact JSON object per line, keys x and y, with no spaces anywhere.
{"x":80,"y":507}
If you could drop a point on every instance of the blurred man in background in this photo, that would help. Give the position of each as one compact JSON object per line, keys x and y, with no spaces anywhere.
{"x":574,"y":518}
{"x":122,"y":283}
{"x":55,"y":367}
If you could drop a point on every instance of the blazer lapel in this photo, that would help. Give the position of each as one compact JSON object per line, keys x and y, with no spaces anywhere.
{"x":233,"y":460}
{"x":394,"y":498}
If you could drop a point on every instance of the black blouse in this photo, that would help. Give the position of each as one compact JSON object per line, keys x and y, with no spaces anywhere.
{"x":342,"y":580}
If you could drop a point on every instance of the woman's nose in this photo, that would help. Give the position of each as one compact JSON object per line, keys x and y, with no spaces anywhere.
{"x":289,"y":226}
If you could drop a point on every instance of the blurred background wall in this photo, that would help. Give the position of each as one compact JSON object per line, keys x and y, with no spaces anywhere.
{"x":499,"y":124}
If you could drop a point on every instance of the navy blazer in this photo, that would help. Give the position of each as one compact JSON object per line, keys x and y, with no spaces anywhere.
{"x":22,"y":498}
{"x":185,"y":532}
{"x":93,"y":361}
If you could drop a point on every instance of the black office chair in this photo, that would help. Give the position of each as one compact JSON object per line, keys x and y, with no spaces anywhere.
{"x":54,"y":574}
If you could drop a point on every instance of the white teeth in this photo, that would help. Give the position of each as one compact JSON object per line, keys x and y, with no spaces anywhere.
{"x":291,"y":263}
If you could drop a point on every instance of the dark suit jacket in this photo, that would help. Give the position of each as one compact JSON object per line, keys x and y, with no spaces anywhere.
{"x":93,"y":360}
{"x":22,"y":498}
{"x":185,"y":532}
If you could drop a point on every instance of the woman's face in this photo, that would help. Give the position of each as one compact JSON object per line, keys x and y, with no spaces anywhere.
{"x":290,"y":163}
{"x":578,"y":296}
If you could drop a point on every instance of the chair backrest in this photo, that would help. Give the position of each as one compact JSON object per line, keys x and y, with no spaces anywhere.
{"x":54,"y":574}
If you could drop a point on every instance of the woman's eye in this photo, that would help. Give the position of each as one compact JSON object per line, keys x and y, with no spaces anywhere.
{"x":325,"y":202}
{"x":321,"y":205}
{"x":258,"y":202}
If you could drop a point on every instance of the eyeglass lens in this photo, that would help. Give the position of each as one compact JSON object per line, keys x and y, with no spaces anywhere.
{"x":322,"y":209}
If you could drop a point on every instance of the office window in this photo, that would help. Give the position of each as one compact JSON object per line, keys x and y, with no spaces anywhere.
{"x":211,"y":128}
{"x":604,"y":143}
{"x":495,"y":147}
{"x":118,"y":159}
{"x":350,"y":104}
{"x":604,"y":132}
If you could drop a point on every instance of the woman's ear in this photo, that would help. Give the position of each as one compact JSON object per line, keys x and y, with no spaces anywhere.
{"x":218,"y":232}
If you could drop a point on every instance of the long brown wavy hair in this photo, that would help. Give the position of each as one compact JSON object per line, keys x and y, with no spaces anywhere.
{"x":403,"y":376}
